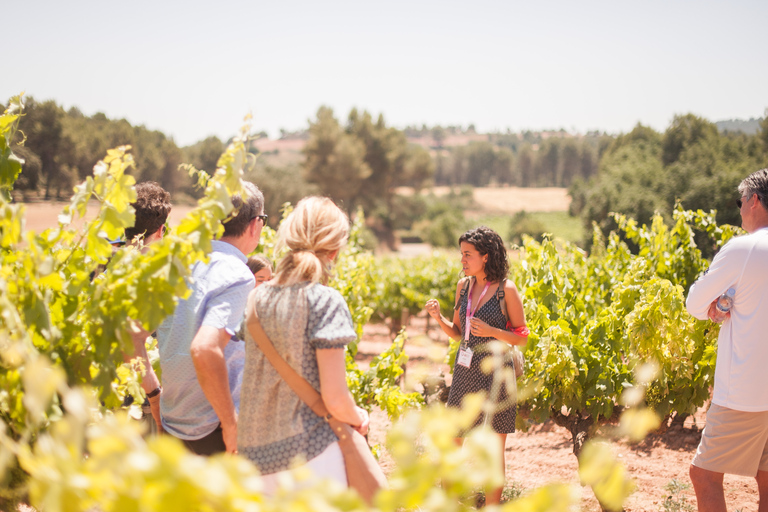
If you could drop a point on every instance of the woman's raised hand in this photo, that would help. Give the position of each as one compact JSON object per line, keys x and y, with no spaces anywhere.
{"x":433,"y":308}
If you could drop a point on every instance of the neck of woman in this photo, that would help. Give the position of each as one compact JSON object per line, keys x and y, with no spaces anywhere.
{"x":481,"y":279}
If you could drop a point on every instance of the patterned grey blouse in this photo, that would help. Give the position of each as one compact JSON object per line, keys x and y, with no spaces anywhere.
{"x":275,"y":428}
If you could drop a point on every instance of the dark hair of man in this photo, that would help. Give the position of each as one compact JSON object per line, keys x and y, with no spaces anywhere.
{"x":153,"y":204}
{"x":756,"y":183}
{"x":245,"y":211}
{"x":487,"y":241}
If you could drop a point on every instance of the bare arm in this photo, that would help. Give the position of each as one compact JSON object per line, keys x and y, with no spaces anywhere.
{"x":715,"y":314}
{"x":208,"y":356}
{"x":149,"y":381}
{"x":333,"y":388}
{"x":516,"y":316}
{"x":450,"y":328}
{"x":723,"y":273}
{"x":139,"y":335}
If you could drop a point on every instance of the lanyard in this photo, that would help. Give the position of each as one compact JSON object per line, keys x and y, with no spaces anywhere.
{"x":470,"y":312}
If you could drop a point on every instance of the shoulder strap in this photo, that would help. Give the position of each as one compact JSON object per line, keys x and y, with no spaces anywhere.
{"x":502,"y":301}
{"x":463,"y":292}
{"x":296,"y":382}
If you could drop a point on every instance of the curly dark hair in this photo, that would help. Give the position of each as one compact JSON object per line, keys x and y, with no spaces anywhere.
{"x":153,"y":204}
{"x":487,"y":241}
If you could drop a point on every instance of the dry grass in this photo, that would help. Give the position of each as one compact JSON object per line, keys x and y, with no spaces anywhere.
{"x":506,"y":200}
{"x":515,"y":199}
{"x":41,"y":216}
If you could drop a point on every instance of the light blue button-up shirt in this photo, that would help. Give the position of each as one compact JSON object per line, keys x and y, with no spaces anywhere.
{"x":219,"y":293}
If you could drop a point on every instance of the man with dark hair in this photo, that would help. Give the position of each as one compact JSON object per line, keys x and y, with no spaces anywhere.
{"x":152,"y":206}
{"x":735,"y":438}
{"x":196,"y":405}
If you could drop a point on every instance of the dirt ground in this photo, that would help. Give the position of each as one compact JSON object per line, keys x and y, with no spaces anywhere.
{"x":544,"y":453}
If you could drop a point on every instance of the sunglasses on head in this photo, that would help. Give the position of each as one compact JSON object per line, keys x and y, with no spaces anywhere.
{"x":264,"y":218}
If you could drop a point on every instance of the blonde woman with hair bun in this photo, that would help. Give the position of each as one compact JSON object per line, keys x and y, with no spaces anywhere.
{"x":309,"y":324}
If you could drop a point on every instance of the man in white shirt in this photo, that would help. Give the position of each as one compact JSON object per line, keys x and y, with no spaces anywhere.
{"x":735,"y":438}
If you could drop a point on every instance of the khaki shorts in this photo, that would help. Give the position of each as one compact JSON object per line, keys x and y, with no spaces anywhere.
{"x":733,"y":442}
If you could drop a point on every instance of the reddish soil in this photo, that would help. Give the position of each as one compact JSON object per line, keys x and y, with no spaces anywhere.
{"x":544,"y":453}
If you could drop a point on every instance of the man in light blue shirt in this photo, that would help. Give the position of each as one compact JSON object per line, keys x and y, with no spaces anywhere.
{"x":196,"y":404}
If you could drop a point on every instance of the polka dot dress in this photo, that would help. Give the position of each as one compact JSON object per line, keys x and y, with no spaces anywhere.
{"x":473,"y":379}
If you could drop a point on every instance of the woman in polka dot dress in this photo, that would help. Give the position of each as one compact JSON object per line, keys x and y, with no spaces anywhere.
{"x":479,"y":299}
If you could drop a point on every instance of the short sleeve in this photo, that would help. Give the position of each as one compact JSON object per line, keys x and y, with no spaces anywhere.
{"x":224,"y":309}
{"x":330,"y":323}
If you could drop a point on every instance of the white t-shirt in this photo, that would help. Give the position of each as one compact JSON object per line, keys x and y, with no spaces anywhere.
{"x":741,"y":374}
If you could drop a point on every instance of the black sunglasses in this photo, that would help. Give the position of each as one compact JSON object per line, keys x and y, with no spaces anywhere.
{"x":264,"y":218}
{"x":739,"y":201}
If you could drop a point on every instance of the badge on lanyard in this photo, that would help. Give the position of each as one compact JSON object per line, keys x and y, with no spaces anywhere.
{"x":465,"y":357}
{"x":465,"y":353}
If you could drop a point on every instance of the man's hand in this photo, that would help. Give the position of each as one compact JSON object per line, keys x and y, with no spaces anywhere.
{"x":715,"y":314}
{"x":207,"y":352}
{"x":229,"y":433}
{"x":154,"y":408}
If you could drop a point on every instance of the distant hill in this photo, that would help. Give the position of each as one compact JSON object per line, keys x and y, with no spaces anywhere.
{"x":738,"y":125}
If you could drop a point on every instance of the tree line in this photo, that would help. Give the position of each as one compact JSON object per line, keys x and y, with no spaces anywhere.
{"x":692,"y":162}
{"x":510,"y":159}
{"x":360,"y":161}
{"x":352,"y":161}
{"x":60,"y":148}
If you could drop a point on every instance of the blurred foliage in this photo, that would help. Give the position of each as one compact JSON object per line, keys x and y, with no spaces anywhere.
{"x":443,"y":220}
{"x":560,"y":224}
{"x":522,"y":223}
{"x":691,"y":163}
{"x":400,"y":287}
{"x":527,"y":159}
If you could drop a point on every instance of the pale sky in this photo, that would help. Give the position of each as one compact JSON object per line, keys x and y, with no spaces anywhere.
{"x":193,"y":69}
